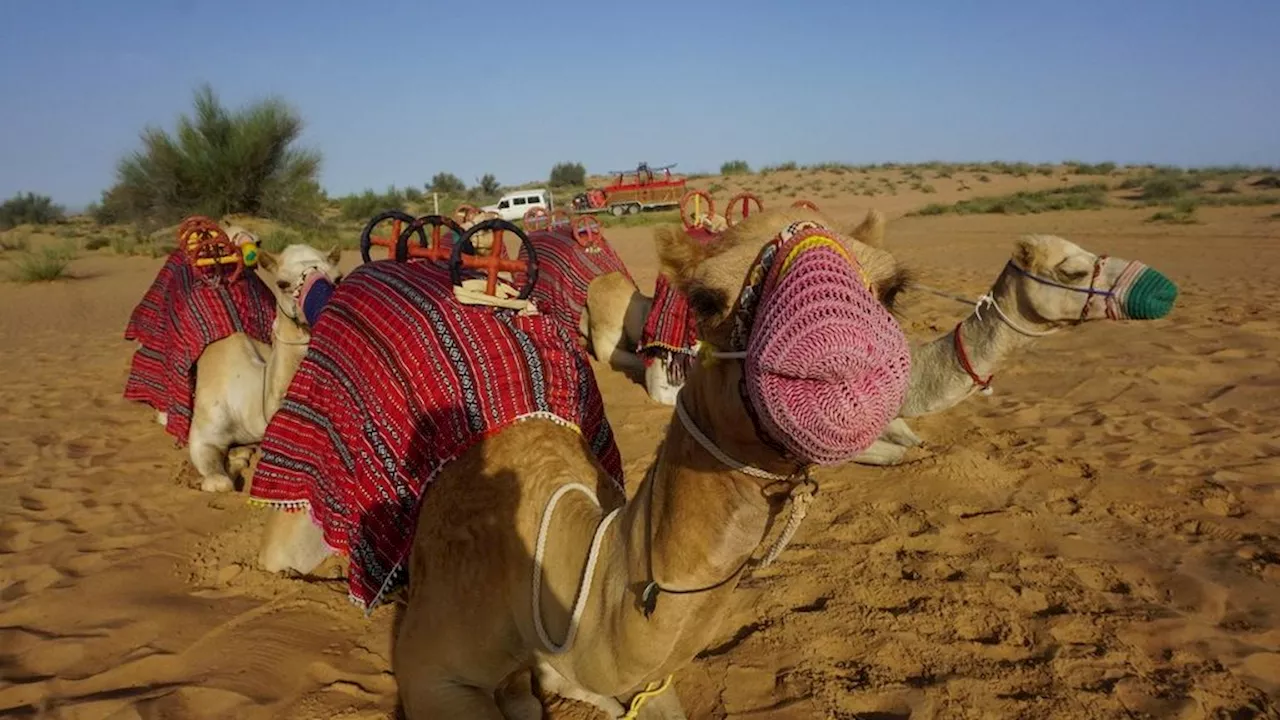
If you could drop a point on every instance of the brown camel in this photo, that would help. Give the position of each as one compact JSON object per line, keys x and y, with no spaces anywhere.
{"x":624,"y":594}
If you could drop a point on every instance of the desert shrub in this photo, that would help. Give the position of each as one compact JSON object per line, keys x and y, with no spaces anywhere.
{"x":219,"y":162}
{"x":735,"y":167}
{"x":412,"y":194}
{"x":1089,"y":196}
{"x":97,"y":243}
{"x":1270,"y":182}
{"x":29,"y":208}
{"x":1166,"y":186}
{"x":44,"y":265}
{"x":13,"y":241}
{"x":984,"y":179}
{"x":361,"y":207}
{"x":567,"y":174}
{"x":1081,"y":168}
{"x":1183,"y":212}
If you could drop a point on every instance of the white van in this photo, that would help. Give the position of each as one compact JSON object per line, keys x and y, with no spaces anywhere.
{"x":514,"y":205}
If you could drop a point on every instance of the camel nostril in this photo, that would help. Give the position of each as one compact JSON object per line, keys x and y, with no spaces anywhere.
{"x":282,"y":284}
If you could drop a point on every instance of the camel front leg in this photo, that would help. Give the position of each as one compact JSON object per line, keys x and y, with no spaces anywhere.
{"x":657,"y":383}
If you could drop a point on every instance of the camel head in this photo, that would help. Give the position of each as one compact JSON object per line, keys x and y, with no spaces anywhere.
{"x":805,"y":308}
{"x":481,"y":241}
{"x":292,"y":266}
{"x":1054,"y":282}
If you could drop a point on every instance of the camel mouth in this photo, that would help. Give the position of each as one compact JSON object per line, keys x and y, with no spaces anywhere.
{"x":826,"y":363}
{"x":1151,"y":297}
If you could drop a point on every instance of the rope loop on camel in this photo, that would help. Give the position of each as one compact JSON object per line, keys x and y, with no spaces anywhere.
{"x":584,"y":587}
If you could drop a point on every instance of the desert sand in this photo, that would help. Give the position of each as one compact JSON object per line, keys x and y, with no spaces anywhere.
{"x":1098,"y":539}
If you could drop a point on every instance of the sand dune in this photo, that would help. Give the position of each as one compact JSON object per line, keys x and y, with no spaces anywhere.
{"x":1098,"y":539}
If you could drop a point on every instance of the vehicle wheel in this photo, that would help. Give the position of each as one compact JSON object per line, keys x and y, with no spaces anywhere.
{"x":618,"y":210}
{"x":634,"y":208}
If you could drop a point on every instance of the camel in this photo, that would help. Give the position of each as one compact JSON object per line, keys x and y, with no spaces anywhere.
{"x":241,"y":381}
{"x":1047,"y":285}
{"x":657,"y":571}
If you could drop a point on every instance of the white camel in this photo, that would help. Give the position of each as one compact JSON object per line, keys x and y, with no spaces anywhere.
{"x":1047,"y":285}
{"x":241,"y":381}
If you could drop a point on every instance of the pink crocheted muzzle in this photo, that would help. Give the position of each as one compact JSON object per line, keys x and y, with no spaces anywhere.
{"x":827,"y":366}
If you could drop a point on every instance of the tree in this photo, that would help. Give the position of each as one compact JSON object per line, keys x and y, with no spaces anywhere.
{"x":566,"y":174}
{"x":220,"y":162}
{"x":29,"y":208}
{"x":488,"y":185}
{"x":447,"y":184}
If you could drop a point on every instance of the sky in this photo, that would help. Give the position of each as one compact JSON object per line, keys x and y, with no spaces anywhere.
{"x":394,"y":92}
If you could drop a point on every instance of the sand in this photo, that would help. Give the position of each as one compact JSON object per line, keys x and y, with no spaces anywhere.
{"x":1098,"y":539}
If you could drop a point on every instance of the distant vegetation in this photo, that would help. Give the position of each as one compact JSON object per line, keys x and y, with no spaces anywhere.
{"x":566,"y":174}
{"x":735,"y":167}
{"x":1089,"y":196}
{"x":29,"y":208}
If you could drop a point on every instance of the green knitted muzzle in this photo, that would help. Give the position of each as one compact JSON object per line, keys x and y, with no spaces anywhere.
{"x":1151,"y":296}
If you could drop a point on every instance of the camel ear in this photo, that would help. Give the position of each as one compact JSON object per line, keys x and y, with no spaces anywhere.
{"x":335,"y":255}
{"x":680,"y":257}
{"x":1027,"y":253}
{"x":870,"y":231}
{"x":267,"y":261}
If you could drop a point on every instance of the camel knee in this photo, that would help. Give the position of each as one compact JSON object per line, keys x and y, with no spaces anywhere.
{"x":426,"y":698}
{"x":291,"y":541}
{"x":209,"y":456}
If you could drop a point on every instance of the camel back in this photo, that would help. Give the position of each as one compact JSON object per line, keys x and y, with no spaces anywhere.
{"x":399,"y":380}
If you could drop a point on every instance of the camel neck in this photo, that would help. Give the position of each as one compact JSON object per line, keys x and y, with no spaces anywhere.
{"x":289,"y":344}
{"x":939,"y":380}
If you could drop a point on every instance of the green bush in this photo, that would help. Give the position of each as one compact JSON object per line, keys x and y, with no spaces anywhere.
{"x":447,"y":184}
{"x":362,"y":207}
{"x":218,"y":162}
{"x":567,"y":174}
{"x":30,"y":208}
{"x":735,"y":167}
{"x":44,"y":265}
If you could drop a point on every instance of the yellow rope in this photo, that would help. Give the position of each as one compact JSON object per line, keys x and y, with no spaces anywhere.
{"x":653,"y":689}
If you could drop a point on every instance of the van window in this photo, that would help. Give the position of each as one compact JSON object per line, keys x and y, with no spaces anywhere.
{"x":518,"y":201}
{"x":534,"y":199}
{"x":504,"y":205}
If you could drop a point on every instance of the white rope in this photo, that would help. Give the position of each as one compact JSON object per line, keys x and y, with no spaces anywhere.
{"x":719,"y":454}
{"x":584,"y":587}
{"x":989,"y":299}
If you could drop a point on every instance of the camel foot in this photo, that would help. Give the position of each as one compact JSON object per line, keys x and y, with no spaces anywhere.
{"x":656,"y":383}
{"x":292,"y":541}
{"x":217,"y":484}
{"x":553,"y":682}
{"x":899,"y":433}
{"x":882,"y":453}
{"x":516,"y":700}
{"x":162,"y":418}
{"x":238,"y":460}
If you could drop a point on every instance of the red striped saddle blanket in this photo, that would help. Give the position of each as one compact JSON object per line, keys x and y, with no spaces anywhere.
{"x":179,"y":316}
{"x":399,"y":380}
{"x":565,"y":269}
{"x":670,"y":331}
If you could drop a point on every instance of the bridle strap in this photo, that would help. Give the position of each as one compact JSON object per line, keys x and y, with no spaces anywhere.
{"x":963,"y":357}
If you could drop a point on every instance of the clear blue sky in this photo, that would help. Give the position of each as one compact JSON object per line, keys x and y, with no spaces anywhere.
{"x":393,"y":92}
